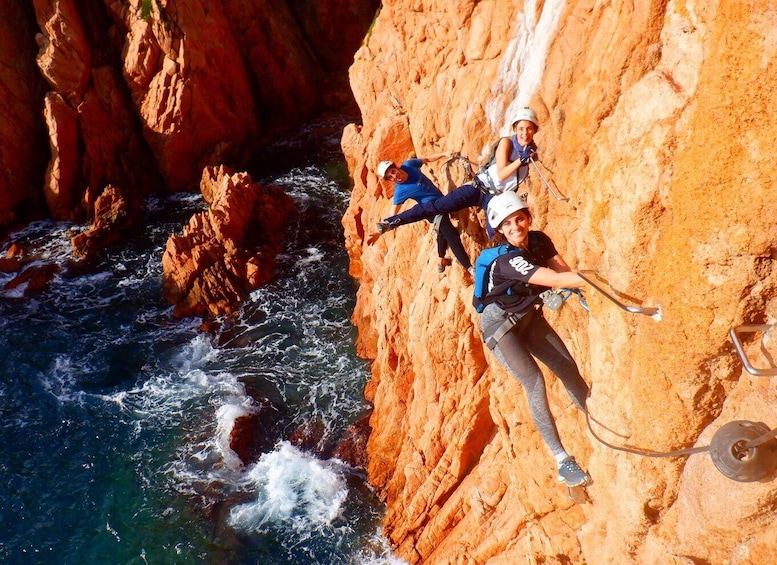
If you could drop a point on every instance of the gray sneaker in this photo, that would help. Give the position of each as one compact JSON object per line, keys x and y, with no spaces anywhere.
{"x":383,"y":227}
{"x":569,"y":472}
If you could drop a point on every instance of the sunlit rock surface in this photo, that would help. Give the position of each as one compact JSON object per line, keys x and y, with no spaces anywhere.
{"x":656,"y":122}
{"x":229,"y":249}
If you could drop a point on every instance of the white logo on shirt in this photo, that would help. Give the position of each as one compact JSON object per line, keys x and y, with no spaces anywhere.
{"x":521,"y":265}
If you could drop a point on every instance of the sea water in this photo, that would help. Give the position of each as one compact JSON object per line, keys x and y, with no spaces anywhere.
{"x":116,"y":416}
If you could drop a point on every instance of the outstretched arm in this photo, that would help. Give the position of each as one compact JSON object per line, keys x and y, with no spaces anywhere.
{"x":557,"y":275}
{"x":436,"y":157}
{"x":550,"y":278}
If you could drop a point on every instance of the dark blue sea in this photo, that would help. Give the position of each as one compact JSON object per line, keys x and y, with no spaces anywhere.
{"x":116,"y":416}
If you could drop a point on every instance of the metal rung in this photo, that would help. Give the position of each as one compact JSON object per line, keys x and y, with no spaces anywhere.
{"x":751,"y":328}
{"x":647,"y":311}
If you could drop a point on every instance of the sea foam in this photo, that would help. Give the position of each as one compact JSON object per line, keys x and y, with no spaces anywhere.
{"x":292,"y":489}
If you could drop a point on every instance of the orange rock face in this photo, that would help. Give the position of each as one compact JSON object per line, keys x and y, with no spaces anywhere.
{"x":228,"y":250}
{"x":94,"y":132}
{"x":655,"y":121}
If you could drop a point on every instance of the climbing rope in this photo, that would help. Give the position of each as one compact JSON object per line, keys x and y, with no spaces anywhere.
{"x":738,"y":449}
{"x":638,"y":451}
{"x":556,"y":194}
{"x":466,"y":165}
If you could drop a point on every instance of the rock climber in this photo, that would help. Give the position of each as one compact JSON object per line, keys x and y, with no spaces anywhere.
{"x":514,"y":327}
{"x":411,"y":183}
{"x":512,"y":165}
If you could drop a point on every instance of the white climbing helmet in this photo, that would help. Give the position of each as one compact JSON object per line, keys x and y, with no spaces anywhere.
{"x":503,"y":205}
{"x":383,"y":166}
{"x":526,"y":114}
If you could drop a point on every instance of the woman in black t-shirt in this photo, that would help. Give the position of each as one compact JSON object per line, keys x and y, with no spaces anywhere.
{"x":513,"y":324}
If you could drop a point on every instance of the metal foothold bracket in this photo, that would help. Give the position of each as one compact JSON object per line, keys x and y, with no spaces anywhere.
{"x":653,"y":312}
{"x":734,"y":334}
{"x":732,"y":457}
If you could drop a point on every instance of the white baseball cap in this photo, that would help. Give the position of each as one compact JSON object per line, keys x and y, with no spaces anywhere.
{"x":384,"y":166}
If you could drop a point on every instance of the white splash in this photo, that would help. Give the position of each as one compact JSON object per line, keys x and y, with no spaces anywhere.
{"x":293,"y":489}
{"x":225,"y":422}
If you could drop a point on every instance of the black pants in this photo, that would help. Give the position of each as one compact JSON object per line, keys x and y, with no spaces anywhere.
{"x":448,"y":236}
{"x":463,"y":197}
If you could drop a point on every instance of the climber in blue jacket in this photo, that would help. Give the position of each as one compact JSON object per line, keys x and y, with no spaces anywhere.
{"x":510,"y":169}
{"x":411,"y":183}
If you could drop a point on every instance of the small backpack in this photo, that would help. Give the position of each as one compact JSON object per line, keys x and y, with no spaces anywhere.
{"x":513,"y":288}
{"x":483,"y":263}
{"x":489,"y":178}
{"x":492,"y":155}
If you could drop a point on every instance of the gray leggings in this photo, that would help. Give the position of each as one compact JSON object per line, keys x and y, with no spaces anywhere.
{"x":517,"y":351}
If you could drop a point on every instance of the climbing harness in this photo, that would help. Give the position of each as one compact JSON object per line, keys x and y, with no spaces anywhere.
{"x":653,"y":312}
{"x":742,"y":450}
{"x":551,"y":299}
{"x":521,"y":320}
{"x":489,"y":183}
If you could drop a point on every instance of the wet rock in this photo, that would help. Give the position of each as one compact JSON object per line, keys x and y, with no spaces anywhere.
{"x":36,"y":277}
{"x":114,"y":214}
{"x":15,"y":258}
{"x":352,"y":449}
{"x":255,"y":433}
{"x":308,"y":436}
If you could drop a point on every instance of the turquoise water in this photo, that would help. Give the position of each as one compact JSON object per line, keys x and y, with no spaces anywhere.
{"x":116,"y":416}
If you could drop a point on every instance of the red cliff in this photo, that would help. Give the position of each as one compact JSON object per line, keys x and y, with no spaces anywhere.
{"x":655,"y":121}
{"x":127,"y":98}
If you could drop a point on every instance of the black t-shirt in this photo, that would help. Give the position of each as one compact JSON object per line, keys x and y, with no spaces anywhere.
{"x":513,"y":270}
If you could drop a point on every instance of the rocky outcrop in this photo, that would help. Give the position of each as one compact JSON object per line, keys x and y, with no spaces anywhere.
{"x":228,"y":250}
{"x":114,"y":214}
{"x":655,"y":122}
{"x":142,"y":95}
{"x":94,"y":132}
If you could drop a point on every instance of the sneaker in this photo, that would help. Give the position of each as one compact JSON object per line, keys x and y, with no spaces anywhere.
{"x":383,"y":227}
{"x":569,"y":472}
